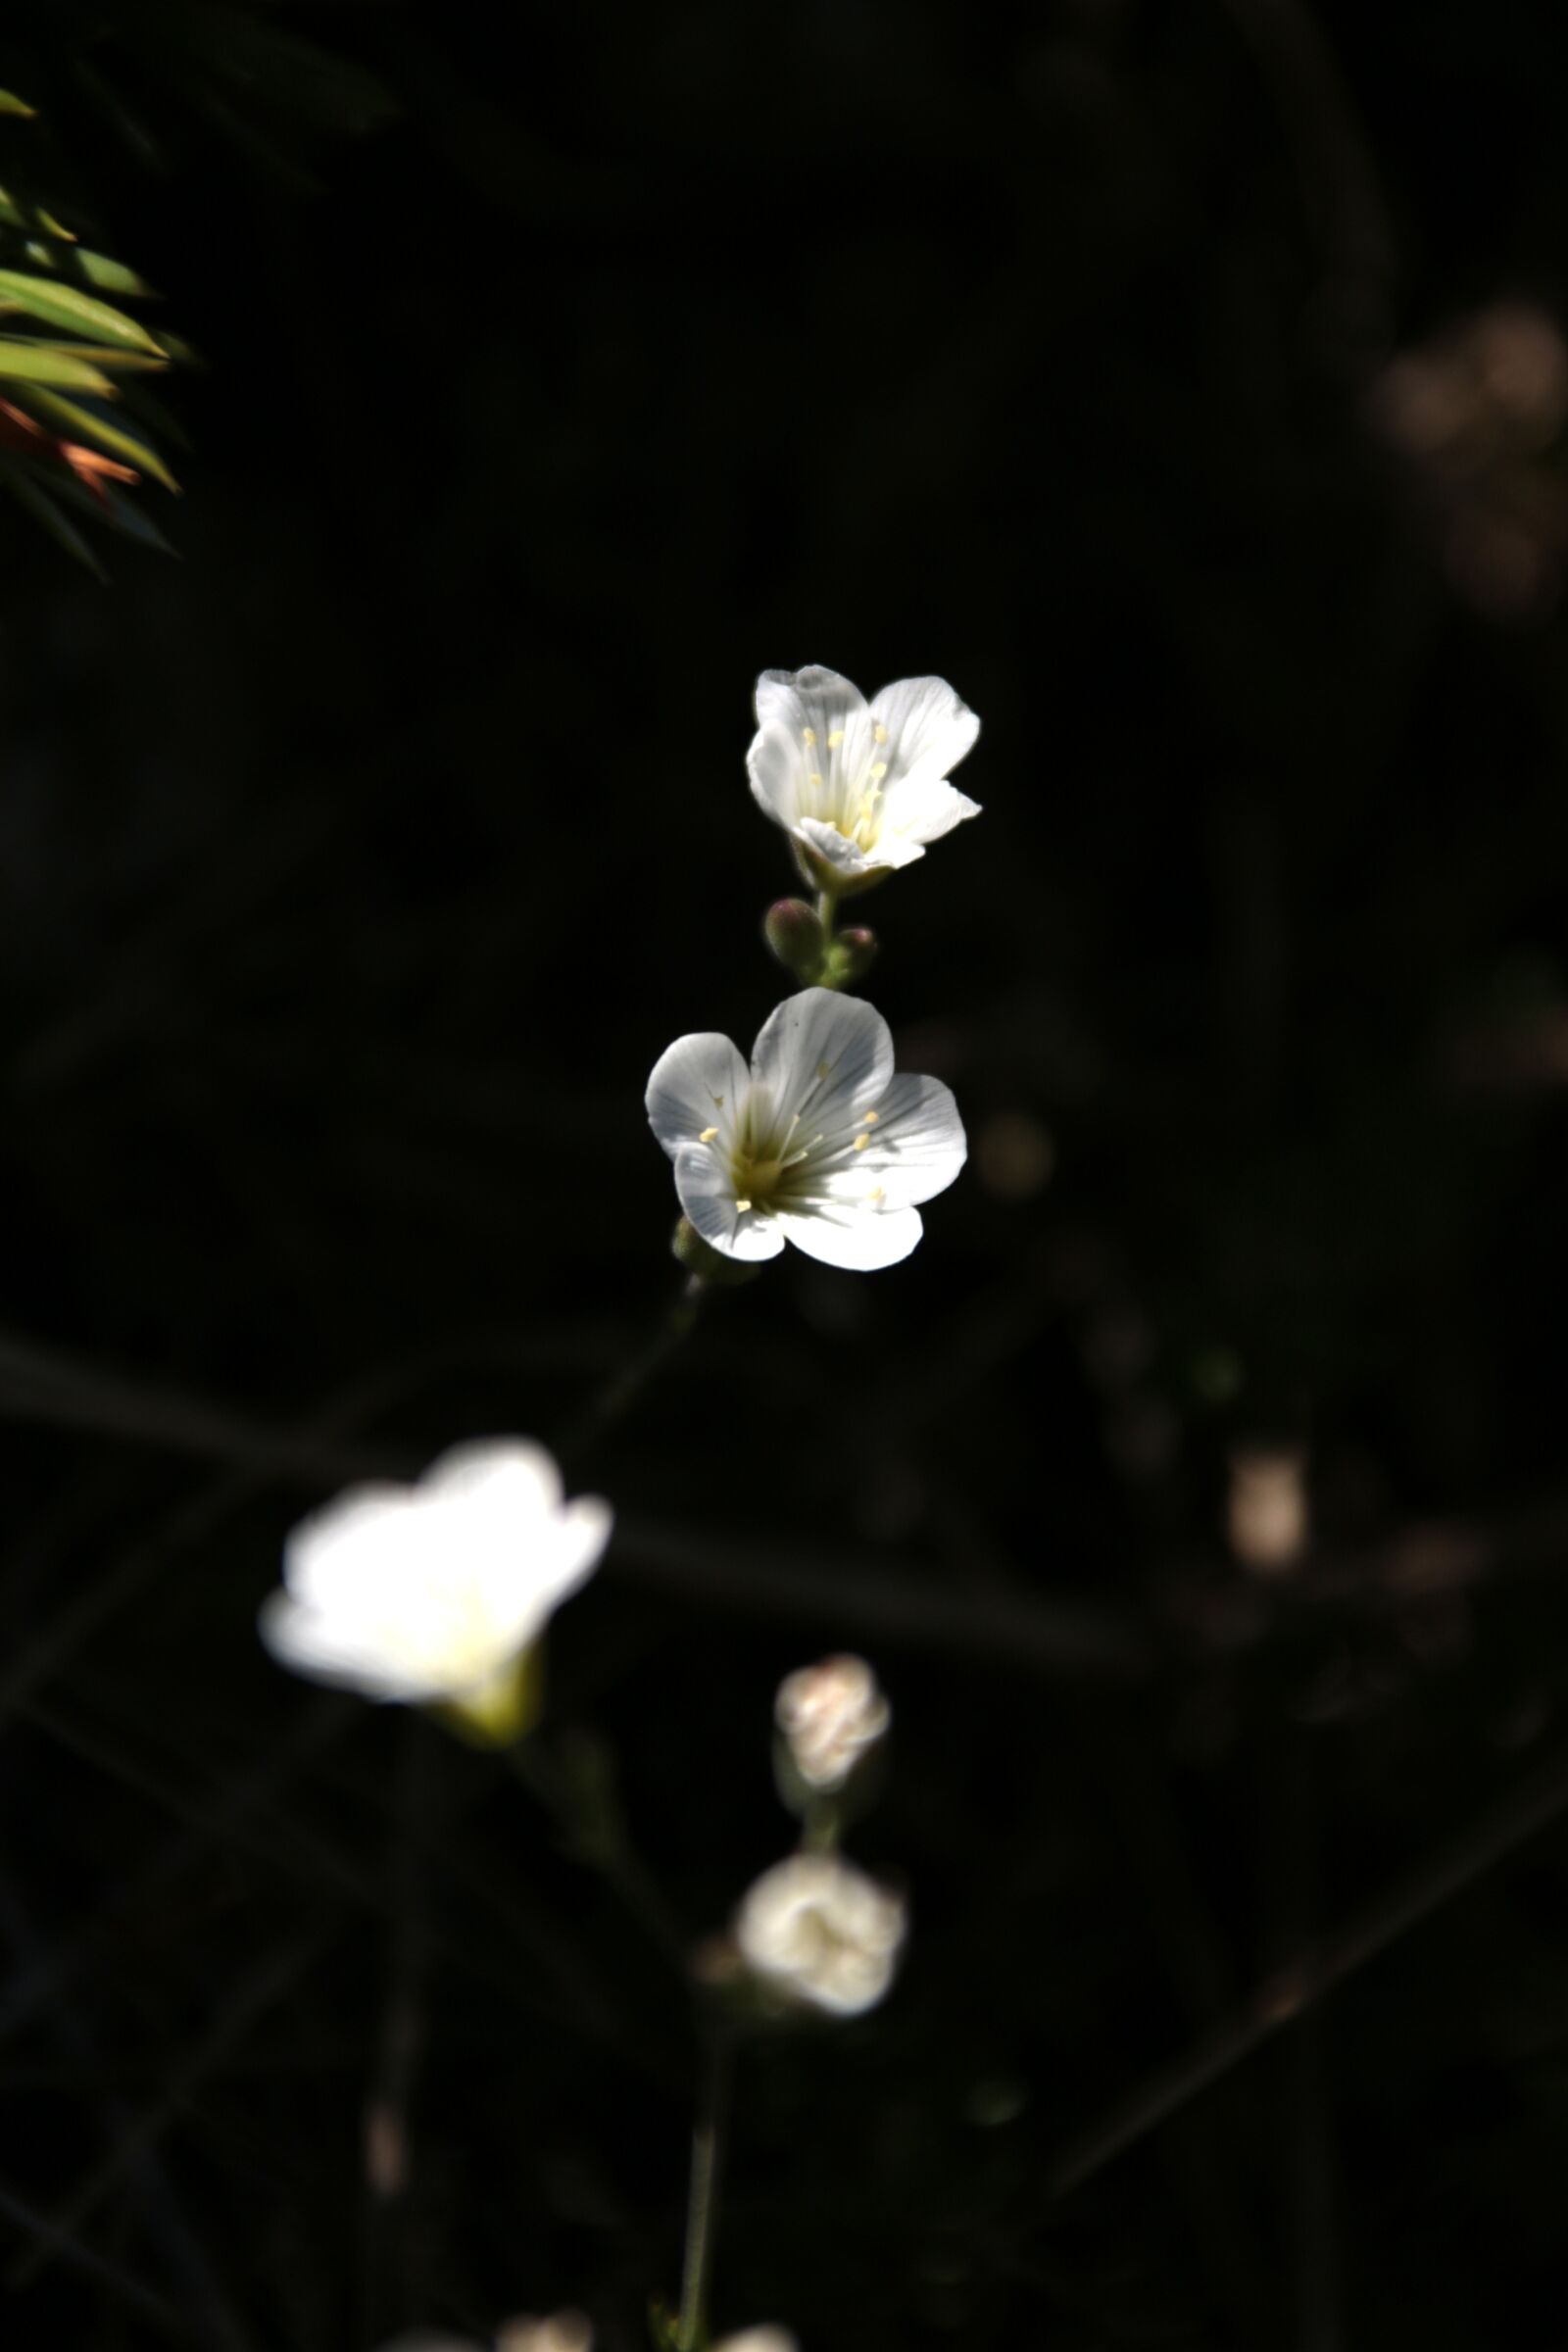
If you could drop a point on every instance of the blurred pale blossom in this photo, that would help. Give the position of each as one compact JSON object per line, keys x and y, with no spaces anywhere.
{"x":759,"y":2339}
{"x":1265,"y":1508}
{"x":436,"y":1592}
{"x":1475,"y":413}
{"x":566,"y":2332}
{"x":830,"y":1716}
{"x":861,"y":787}
{"x":817,"y":1143}
{"x":820,"y":1934}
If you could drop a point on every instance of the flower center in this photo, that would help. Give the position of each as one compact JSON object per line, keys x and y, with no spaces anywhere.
{"x":763,"y":1165}
{"x":845,"y":798}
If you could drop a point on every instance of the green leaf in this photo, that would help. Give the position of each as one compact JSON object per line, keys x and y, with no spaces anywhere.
{"x":51,"y":364}
{"x":17,"y":213}
{"x":63,"y":305}
{"x":76,"y":423}
{"x":97,"y":268}
{"x":100,"y":354}
{"x":42,"y":507}
{"x":11,"y":104}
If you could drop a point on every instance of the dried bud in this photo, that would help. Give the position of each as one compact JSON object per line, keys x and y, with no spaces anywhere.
{"x":794,"y":933}
{"x":830,"y":1715}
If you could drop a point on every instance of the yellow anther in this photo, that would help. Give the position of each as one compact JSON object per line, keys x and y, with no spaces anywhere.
{"x":878,"y":771}
{"x":821,"y":1069}
{"x":835,"y":739}
{"x":870,"y":1120}
{"x":743,"y":1204}
{"x":875,"y":1194}
{"x":810,"y":736}
{"x":860,"y":1142}
{"x":880,"y":732}
{"x":813,"y":777}
{"x":708,"y":1135}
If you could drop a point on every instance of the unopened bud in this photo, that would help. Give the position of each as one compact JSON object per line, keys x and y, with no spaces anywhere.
{"x":688,"y":1247}
{"x":852,"y":956}
{"x":794,"y":933}
{"x":830,"y":1716}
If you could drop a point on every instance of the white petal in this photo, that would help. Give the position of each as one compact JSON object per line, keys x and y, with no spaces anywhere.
{"x":922,"y":811}
{"x":861,"y":1238}
{"x":929,"y":730}
{"x":323,"y":1650}
{"x":793,"y":700}
{"x":344,"y":1548}
{"x":707,"y":1194}
{"x":696,"y":1084}
{"x":813,"y":740}
{"x":919,"y":1145}
{"x":848,"y":862}
{"x":511,"y":1477}
{"x":824,"y":1057}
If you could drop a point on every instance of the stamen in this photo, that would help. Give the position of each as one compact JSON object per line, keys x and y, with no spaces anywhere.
{"x":835,"y":739}
{"x":743,"y":1204}
{"x":809,"y":735}
{"x":875,"y":1194}
{"x":880,"y":732}
{"x":878,"y":770}
{"x":822,"y":1068}
{"x":870,"y":1120}
{"x":708,"y":1135}
{"x":860,"y":1142}
{"x":813,"y":777}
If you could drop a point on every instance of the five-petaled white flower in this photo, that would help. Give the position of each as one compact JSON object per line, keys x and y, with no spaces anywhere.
{"x":817,"y":1143}
{"x":821,"y":1934}
{"x":435,"y":1593}
{"x":861,"y":787}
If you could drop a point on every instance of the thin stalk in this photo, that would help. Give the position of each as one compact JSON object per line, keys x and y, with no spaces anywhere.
{"x":702,"y":2206}
{"x":623,"y":1388}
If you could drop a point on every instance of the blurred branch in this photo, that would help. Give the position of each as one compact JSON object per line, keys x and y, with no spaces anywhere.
{"x":1314,"y":1975}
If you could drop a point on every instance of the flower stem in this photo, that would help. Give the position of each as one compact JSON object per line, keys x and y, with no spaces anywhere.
{"x":702,"y":2206}
{"x":623,"y":1388}
{"x":827,"y":907}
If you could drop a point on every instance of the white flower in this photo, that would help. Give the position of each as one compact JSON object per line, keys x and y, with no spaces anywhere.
{"x":817,"y":1143}
{"x":861,"y":788}
{"x":436,"y":1592}
{"x":759,"y":2339}
{"x":830,"y":1715}
{"x":822,"y":1934}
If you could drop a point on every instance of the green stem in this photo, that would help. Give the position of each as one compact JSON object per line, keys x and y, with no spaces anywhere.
{"x":827,"y":907}
{"x":702,"y":2206}
{"x":596,"y":1835}
{"x":623,"y":1388}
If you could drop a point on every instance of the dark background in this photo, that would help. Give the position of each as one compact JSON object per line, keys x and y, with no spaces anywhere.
{"x":1183,"y":383}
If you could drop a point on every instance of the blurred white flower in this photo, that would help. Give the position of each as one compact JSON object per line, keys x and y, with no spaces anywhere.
{"x":759,"y":2339}
{"x":817,"y":1143}
{"x":859,"y":788}
{"x":820,"y":1932}
{"x":436,"y":1592}
{"x":565,"y":2332}
{"x":830,"y":1715}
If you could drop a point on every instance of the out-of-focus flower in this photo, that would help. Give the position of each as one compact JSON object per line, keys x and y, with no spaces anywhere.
{"x":566,"y":2332}
{"x":1266,"y":1510}
{"x":819,"y":1932}
{"x":859,"y":788}
{"x":817,"y":1143}
{"x":759,"y":2339}
{"x":831,"y":1715}
{"x":1475,"y":413}
{"x":435,"y":1593}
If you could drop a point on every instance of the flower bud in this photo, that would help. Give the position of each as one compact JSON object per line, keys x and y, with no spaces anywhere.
{"x":817,"y":1933}
{"x":831,"y":1716}
{"x":688,"y":1247}
{"x":852,"y":956}
{"x":792,"y":931}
